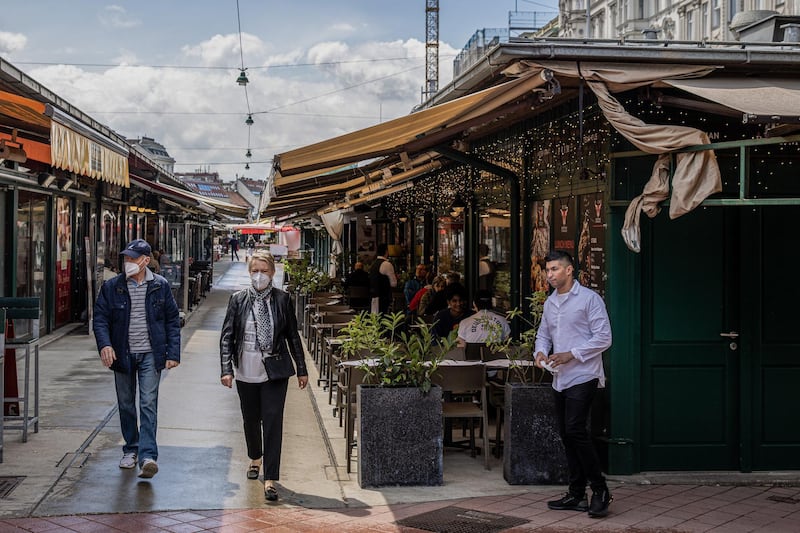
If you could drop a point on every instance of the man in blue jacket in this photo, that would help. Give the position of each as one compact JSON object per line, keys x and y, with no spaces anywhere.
{"x":138,"y":333}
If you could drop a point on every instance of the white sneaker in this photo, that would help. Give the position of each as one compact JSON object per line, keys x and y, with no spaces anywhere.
{"x":128,"y":460}
{"x":149,"y":469}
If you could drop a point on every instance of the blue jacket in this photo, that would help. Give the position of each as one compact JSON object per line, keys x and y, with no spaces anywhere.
{"x":112,"y":316}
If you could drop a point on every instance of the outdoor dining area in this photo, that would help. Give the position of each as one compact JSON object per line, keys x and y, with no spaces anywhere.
{"x":441,"y":400}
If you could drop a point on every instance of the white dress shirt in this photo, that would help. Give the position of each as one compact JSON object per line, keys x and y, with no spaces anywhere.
{"x":579,"y":324}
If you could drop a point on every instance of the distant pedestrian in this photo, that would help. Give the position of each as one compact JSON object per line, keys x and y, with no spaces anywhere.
{"x":259,"y":341}
{"x":576,"y":329}
{"x":382,"y":280}
{"x":251,"y":246}
{"x":138,"y":333}
{"x":234,"y":246}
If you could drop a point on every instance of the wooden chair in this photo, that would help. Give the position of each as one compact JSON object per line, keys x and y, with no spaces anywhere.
{"x":469,"y":381}
{"x":351,"y":378}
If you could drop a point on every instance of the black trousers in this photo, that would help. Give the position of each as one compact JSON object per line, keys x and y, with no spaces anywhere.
{"x":572,"y":413}
{"x":262,"y":413}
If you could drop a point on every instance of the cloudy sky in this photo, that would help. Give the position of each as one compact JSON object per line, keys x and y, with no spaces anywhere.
{"x":167,"y":69}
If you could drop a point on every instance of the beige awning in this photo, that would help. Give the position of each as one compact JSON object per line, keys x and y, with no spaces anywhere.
{"x":759,"y":99}
{"x":407,"y":133}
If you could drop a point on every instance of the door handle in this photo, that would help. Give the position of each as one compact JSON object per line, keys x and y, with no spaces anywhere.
{"x":731,"y":335}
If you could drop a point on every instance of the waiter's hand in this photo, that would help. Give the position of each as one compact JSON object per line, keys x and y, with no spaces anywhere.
{"x":107,"y":356}
{"x":560,"y":358}
{"x":302,"y":381}
{"x":172,"y":363}
{"x":227,"y":380}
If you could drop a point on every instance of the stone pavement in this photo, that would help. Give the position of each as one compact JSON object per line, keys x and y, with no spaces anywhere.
{"x":68,"y":479}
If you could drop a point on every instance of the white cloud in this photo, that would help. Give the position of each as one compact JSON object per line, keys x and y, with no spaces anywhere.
{"x":12,"y":42}
{"x":116,"y":16}
{"x":342,"y":27}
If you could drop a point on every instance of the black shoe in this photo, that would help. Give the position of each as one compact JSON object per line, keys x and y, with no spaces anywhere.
{"x":270,"y":494}
{"x":600,"y":502}
{"x":569,"y":503}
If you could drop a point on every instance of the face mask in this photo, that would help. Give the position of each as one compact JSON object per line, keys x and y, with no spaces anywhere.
{"x":260,"y":280}
{"x":131,"y":269}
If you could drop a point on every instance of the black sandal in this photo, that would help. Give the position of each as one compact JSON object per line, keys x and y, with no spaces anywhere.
{"x":270,"y":494}
{"x":252,"y":471}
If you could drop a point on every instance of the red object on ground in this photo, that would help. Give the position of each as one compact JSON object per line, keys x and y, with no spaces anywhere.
{"x":10,"y":374}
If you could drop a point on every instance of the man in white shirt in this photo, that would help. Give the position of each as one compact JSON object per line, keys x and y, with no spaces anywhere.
{"x":574,"y":332}
{"x":381,"y":280}
{"x":476,"y":328}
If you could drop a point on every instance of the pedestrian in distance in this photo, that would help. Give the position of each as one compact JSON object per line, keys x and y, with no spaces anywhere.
{"x":137,"y":328}
{"x":234,"y":245}
{"x":259,"y":341}
{"x":572,"y":336}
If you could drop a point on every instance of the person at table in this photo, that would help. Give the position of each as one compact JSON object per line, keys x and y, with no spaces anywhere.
{"x":574,"y":333}
{"x":357,"y":278}
{"x":478,"y":327}
{"x":415,"y":284}
{"x":425,"y":307}
{"x":447,"y":320}
{"x":261,"y":347}
{"x":381,"y":280}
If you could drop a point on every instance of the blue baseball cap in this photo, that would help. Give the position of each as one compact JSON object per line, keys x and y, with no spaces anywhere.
{"x":137,"y":248}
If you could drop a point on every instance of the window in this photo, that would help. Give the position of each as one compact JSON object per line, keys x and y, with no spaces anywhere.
{"x":704,"y":20}
{"x":689,"y":25}
{"x":733,"y":8}
{"x":715,"y":14}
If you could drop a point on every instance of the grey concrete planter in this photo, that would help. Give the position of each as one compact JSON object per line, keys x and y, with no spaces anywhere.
{"x":399,"y":436}
{"x":533,"y":453}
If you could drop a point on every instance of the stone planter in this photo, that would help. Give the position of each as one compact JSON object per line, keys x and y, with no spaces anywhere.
{"x":399,"y":436}
{"x":532,"y":451}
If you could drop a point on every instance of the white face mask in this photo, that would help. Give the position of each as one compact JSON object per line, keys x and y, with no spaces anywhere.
{"x":260,"y":280}
{"x":131,"y":268}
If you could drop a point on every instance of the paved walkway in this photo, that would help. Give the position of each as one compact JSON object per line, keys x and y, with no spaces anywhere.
{"x":68,"y":479}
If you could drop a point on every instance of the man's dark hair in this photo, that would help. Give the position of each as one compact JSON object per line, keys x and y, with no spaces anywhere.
{"x":483,"y":300}
{"x":558,"y":255}
{"x":455,"y":290}
{"x":382,"y":247}
{"x":483,"y":249}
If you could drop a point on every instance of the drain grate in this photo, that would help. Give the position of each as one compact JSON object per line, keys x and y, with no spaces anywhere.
{"x":783,"y":499}
{"x":459,"y":520}
{"x":8,"y":484}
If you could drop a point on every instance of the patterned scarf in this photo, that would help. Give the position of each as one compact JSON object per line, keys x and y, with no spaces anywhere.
{"x":263,"y":321}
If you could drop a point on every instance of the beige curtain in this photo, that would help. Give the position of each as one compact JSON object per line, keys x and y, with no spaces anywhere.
{"x":696,"y":174}
{"x":334,"y":223}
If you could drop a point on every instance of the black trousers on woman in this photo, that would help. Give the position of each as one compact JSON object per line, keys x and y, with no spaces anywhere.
{"x":262,"y":412}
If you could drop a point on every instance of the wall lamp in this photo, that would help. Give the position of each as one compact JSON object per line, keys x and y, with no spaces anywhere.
{"x":66,"y":183}
{"x":458,"y":206}
{"x":12,"y":153}
{"x":45,"y":179}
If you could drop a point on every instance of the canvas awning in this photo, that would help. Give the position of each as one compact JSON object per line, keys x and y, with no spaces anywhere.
{"x":74,"y":146}
{"x":758,"y":99}
{"x":411,"y":133}
{"x":185,"y":197}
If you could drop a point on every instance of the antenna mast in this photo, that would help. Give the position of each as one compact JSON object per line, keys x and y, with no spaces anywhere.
{"x":431,"y":49}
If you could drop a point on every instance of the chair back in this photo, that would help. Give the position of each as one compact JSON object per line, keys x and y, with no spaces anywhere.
{"x":456,"y":353}
{"x":25,"y":308}
{"x":333,"y":308}
{"x":473,"y":351}
{"x":335,"y":318}
{"x":460,"y":378}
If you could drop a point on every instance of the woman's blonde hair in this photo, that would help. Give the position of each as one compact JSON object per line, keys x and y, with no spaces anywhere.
{"x":262,"y":255}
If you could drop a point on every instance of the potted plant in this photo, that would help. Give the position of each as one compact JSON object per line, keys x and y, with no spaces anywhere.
{"x":533,"y":453}
{"x":399,"y":411}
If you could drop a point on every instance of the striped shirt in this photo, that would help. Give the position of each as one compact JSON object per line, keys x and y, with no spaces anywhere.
{"x":138,"y":336}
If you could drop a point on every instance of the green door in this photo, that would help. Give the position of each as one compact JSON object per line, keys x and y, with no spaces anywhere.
{"x":720,"y":341}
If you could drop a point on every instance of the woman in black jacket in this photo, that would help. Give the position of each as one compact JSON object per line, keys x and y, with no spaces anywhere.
{"x":259,"y":341}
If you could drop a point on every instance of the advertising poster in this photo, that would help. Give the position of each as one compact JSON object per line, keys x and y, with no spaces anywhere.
{"x":591,"y":257}
{"x":565,"y":222}
{"x":540,"y":244}
{"x":365,"y":239}
{"x":63,"y":260}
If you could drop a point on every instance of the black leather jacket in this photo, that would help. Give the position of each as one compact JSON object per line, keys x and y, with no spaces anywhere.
{"x":285,"y":339}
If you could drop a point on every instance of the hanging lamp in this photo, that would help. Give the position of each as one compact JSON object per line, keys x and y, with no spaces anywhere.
{"x":249,"y":120}
{"x":242,"y":79}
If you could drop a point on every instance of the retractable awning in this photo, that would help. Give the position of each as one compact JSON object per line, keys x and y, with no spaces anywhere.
{"x":759,"y":100}
{"x":412,"y":133}
{"x":74,"y":146}
{"x":188,"y":198}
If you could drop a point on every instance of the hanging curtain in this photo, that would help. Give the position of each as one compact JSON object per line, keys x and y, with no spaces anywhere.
{"x":696,"y":174}
{"x":334,"y":223}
